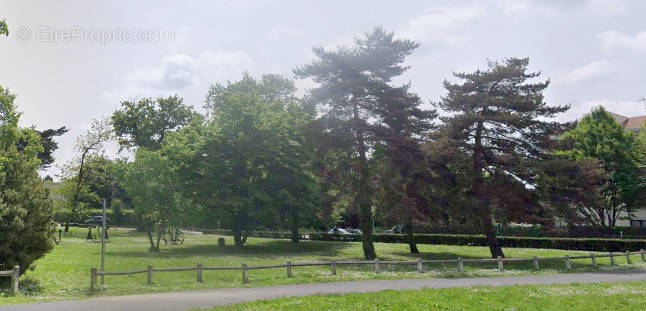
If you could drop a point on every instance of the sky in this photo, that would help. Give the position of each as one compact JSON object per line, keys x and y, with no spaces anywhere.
{"x":70,"y":62}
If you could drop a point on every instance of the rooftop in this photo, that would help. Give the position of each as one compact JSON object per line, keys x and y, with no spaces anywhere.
{"x":630,"y":123}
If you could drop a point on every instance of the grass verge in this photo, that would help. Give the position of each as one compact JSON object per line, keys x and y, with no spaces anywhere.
{"x":603,"y":296}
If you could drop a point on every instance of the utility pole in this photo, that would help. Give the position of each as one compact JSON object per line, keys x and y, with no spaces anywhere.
{"x":103,"y":243}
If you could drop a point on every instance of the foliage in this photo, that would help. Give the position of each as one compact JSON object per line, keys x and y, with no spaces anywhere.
{"x":49,"y":145}
{"x":4,"y":29}
{"x":498,"y":120}
{"x":147,"y":122}
{"x":26,"y":210}
{"x":247,"y":164}
{"x":354,"y":97}
{"x":599,"y":137}
{"x":89,"y":144}
{"x":150,"y":182}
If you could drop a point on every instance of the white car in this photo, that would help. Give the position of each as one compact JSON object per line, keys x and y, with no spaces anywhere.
{"x":344,"y":234}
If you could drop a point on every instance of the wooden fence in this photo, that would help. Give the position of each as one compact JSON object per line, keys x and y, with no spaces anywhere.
{"x":418,"y":264}
{"x":14,"y":274}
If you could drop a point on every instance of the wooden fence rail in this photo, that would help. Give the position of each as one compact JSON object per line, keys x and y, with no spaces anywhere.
{"x":15,"y":275}
{"x":377,"y":264}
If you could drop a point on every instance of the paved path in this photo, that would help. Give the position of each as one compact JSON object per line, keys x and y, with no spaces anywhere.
{"x":217,"y":297}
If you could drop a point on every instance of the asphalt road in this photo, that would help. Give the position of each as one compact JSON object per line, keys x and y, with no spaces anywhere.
{"x":216,"y":297}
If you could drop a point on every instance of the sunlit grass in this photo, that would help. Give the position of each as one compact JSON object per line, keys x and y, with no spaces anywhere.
{"x":605,"y":296}
{"x":65,"y":272}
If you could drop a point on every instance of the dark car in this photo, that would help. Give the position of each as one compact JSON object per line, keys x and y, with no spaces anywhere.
{"x":97,"y":220}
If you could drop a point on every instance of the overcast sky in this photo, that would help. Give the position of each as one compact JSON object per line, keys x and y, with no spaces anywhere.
{"x":71,"y":61}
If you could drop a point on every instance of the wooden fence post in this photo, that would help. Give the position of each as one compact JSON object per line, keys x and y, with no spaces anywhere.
{"x":568,"y":262}
{"x":612,"y":258}
{"x":245,"y":274}
{"x":628,"y":261}
{"x":333,"y":267}
{"x":377,"y":267}
{"x":420,"y":266}
{"x":289,"y":269}
{"x":641,"y":252}
{"x":199,"y":273}
{"x":460,"y":265}
{"x":500,"y":264}
{"x":221,"y":242}
{"x":594,"y":259}
{"x":149,"y":274}
{"x":14,"y":280}
{"x":536,"y":266}
{"x":92,"y":280}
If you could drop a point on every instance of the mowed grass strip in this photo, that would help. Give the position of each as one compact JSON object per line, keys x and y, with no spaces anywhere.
{"x":603,"y":296}
{"x":65,"y":272}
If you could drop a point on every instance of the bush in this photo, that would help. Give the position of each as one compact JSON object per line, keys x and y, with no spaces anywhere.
{"x":581,"y":244}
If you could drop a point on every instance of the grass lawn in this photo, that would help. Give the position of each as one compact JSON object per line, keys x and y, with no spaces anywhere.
{"x":605,"y":296}
{"x":65,"y":272}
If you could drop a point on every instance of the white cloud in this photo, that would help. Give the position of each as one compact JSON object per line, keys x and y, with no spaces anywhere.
{"x":283,"y":33}
{"x":440,"y":24}
{"x":585,"y":73}
{"x":523,"y":8}
{"x":178,"y":72}
{"x":611,"y":40}
{"x":605,"y":7}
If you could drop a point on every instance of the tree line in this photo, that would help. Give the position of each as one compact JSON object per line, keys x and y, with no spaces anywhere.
{"x":359,"y":148}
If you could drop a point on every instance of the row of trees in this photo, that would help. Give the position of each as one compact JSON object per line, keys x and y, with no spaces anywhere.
{"x":359,"y":147}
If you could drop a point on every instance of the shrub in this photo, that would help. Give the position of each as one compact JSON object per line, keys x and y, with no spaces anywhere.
{"x":581,"y":244}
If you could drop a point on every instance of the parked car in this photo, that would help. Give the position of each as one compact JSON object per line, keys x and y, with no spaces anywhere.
{"x":344,"y":234}
{"x":96,"y":220}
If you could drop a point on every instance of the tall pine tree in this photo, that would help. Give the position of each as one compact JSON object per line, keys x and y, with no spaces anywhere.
{"x":353,"y":83}
{"x":498,"y":119}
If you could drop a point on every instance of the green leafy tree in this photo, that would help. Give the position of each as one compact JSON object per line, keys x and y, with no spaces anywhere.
{"x":247,"y":163}
{"x":49,"y":145}
{"x":88,"y":144}
{"x":26,"y":211}
{"x":573,"y":189}
{"x":498,"y":119}
{"x":598,"y":136}
{"x":151,"y":182}
{"x":147,"y":122}
{"x":350,"y":96}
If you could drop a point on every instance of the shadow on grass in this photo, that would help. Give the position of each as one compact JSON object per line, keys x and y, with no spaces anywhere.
{"x":265,"y":248}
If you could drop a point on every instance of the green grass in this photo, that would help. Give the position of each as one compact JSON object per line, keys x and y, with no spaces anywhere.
{"x":65,"y":272}
{"x":605,"y":296}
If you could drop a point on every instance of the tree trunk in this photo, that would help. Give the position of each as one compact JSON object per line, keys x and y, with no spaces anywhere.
{"x":483,"y":204}
{"x":490,"y":232}
{"x":411,"y":238}
{"x":149,"y":232}
{"x":363,"y":196}
{"x":160,"y":231}
{"x":239,"y":226}
{"x":293,"y":224}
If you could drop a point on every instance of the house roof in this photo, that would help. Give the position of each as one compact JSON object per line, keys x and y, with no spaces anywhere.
{"x":635,"y":123}
{"x":630,"y":123}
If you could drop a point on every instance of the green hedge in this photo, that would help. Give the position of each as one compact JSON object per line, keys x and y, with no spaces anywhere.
{"x":581,"y":244}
